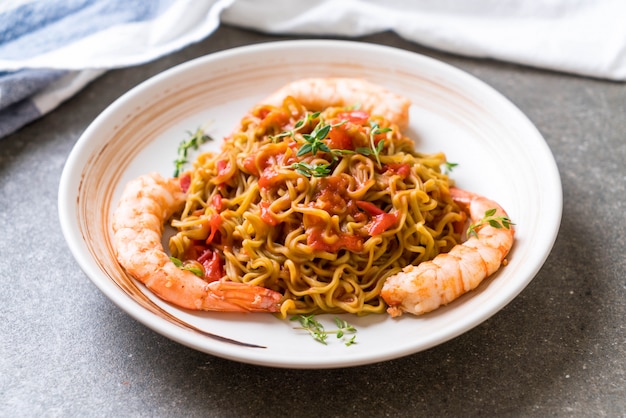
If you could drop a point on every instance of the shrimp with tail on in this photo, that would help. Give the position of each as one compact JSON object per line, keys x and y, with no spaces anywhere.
{"x":146,"y":203}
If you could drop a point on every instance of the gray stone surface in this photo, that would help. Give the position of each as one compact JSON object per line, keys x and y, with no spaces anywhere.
{"x":557,"y":350}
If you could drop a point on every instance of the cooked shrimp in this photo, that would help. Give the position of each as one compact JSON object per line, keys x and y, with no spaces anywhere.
{"x":147,"y":202}
{"x":320,"y":93}
{"x":425,"y":287}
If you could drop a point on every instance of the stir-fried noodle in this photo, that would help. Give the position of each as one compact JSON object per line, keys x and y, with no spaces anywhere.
{"x":319,"y":206}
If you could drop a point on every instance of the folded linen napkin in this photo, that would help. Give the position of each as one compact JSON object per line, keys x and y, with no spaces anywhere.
{"x":50,"y":49}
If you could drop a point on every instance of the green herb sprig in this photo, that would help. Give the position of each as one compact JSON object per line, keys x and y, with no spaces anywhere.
{"x":314,"y":143}
{"x":448,"y":167}
{"x":374,"y":149}
{"x":319,"y":334}
{"x":195,"y":270}
{"x":489,"y":218}
{"x":193,"y":142}
{"x":315,"y":140}
{"x":299,"y":125}
{"x":312,"y":170}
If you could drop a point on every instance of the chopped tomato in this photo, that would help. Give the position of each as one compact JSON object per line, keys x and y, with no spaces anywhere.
{"x":369,"y":207}
{"x":381,"y":220}
{"x":331,"y":194}
{"x":339,"y":138}
{"x":263,"y":112}
{"x":401,"y":169}
{"x":224,"y":173}
{"x":381,"y":223}
{"x":358,"y":117}
{"x":213,"y":266}
{"x":317,"y":241}
{"x":215,"y":221}
{"x":273,"y":155}
{"x":217,"y":202}
{"x":269,"y":178}
{"x":222,"y":165}
{"x":266,"y":214}
{"x":249,"y":163}
{"x":185,"y":182}
{"x":275,"y":118}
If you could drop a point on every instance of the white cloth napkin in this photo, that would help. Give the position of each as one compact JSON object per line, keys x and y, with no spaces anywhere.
{"x":50,"y":49}
{"x":586,"y":37}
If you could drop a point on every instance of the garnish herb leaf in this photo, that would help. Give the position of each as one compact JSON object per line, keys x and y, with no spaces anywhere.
{"x":498,"y":222}
{"x":315,"y":140}
{"x":314,"y":143}
{"x":448,"y":167}
{"x":193,"y":142}
{"x":176,"y":262}
{"x":312,"y":170}
{"x":315,"y":328}
{"x":319,"y":334}
{"x":376,"y":149}
{"x":195,"y":270}
{"x":299,"y":124}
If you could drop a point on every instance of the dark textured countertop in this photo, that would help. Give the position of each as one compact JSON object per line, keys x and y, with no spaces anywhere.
{"x":558,"y":349}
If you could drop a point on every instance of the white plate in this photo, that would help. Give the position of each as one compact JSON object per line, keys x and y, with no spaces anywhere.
{"x":500,"y":154}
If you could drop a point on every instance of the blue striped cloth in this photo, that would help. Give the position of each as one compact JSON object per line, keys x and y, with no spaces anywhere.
{"x":50,"y":49}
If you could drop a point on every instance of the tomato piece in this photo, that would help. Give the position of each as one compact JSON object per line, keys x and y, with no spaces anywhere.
{"x":217,"y":202}
{"x":213,"y":265}
{"x":339,"y":138}
{"x":381,"y":220}
{"x":222,"y":165}
{"x":315,"y":240}
{"x":275,"y":118}
{"x":215,"y":221}
{"x":401,"y":169}
{"x":269,"y":178}
{"x":358,"y":117}
{"x":185,"y":182}
{"x":266,"y":214}
{"x":249,"y":164}
{"x":369,"y":207}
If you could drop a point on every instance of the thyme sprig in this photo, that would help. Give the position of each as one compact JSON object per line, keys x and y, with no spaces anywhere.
{"x":320,"y":334}
{"x":309,"y":117}
{"x":374,"y":149}
{"x":490,"y":219}
{"x":315,"y":140}
{"x":195,"y":139}
{"x":312,"y":170}
{"x":448,"y":167}
{"x":189,"y":267}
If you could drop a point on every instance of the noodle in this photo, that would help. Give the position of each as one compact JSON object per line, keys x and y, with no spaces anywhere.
{"x":323,"y":226}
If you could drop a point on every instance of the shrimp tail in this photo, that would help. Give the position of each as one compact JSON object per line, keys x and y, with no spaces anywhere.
{"x":240,"y":297}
